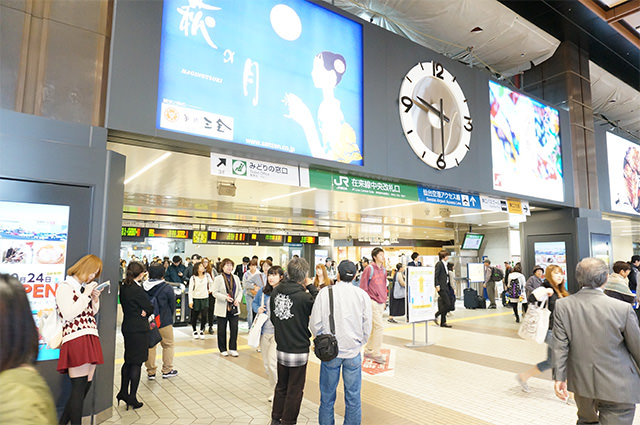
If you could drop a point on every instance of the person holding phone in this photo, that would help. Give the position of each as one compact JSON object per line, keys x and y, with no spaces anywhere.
{"x":136,"y":309}
{"x":78,"y":302}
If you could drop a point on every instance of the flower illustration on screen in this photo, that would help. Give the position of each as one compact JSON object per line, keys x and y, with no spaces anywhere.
{"x":333,"y":138}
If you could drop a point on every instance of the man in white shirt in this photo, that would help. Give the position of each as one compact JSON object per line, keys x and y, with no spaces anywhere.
{"x":352,"y":320}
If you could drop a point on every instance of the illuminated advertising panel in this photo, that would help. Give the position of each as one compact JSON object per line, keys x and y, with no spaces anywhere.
{"x":525,"y":145}
{"x":283,"y":75}
{"x":624,"y":174}
{"x":33,"y":246}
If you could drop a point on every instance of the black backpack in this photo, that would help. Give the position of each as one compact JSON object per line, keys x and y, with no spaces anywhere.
{"x":513,"y":290}
{"x":496,"y":274}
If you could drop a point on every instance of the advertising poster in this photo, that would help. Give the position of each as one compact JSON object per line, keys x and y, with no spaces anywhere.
{"x":283,"y":75}
{"x":624,"y":174}
{"x":601,"y":247}
{"x":525,"y":145}
{"x":548,"y":253}
{"x":33,"y":245}
{"x":421,"y":294}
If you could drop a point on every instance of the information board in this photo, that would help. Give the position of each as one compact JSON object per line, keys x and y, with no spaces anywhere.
{"x":33,"y":245}
{"x":475,"y":272}
{"x":421,"y":294}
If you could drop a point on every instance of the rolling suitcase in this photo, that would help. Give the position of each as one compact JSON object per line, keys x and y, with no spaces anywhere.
{"x":470,"y":298}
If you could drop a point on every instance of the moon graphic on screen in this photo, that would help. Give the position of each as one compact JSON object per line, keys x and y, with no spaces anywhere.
{"x":286,"y":22}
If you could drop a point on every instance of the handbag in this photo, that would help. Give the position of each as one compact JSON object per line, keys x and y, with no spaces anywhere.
{"x":535,"y":324}
{"x":154,"y":336}
{"x":50,"y":327}
{"x":325,"y":346}
{"x":256,"y":328}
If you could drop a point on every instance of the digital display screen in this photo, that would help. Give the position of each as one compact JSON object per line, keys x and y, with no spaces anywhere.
{"x":169,"y":233}
{"x":310,"y":240}
{"x":33,"y":246}
{"x":624,"y":174}
{"x":227,"y":236}
{"x":133,"y":234}
{"x":472,"y":241}
{"x":292,"y":81}
{"x":525,"y":145}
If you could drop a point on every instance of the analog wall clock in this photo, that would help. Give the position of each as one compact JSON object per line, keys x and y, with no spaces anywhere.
{"x":435,"y":116}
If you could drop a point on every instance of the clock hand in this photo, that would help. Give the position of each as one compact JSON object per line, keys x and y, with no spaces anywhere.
{"x":440,"y":162}
{"x":430,"y":107}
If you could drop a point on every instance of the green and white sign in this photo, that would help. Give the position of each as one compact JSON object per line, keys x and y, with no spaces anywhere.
{"x":251,"y":169}
{"x":343,"y":183}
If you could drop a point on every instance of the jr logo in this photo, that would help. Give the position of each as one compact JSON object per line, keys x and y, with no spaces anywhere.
{"x":343,"y":181}
{"x":239,"y":168}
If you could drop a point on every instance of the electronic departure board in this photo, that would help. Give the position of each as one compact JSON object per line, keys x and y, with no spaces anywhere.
{"x":133,"y":234}
{"x":169,"y":233}
{"x":227,"y":237}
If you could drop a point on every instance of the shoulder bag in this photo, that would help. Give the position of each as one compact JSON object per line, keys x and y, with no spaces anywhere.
{"x":256,"y":328}
{"x":535,"y":324}
{"x":325,"y":346}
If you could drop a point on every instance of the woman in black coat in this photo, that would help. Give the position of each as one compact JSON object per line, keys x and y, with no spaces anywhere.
{"x":135,"y":327}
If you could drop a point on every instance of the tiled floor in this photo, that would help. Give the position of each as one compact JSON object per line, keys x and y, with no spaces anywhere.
{"x":465,"y":377}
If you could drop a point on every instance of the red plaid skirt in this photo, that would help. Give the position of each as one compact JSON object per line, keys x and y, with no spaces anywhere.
{"x":79,"y":351}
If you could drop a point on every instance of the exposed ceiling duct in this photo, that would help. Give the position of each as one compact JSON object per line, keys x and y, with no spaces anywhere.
{"x":487,"y":34}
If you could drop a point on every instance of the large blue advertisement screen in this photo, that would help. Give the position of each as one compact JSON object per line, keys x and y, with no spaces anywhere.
{"x":283,"y":75}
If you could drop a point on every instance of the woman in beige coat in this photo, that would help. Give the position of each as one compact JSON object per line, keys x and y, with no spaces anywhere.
{"x":227,"y":290}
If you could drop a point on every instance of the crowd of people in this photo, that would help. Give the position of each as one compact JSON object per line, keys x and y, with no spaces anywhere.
{"x":290,"y":307}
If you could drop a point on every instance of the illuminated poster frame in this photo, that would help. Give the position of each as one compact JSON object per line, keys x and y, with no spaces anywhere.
{"x":33,"y":248}
{"x":624,"y":174}
{"x":284,"y":75}
{"x":525,"y":145}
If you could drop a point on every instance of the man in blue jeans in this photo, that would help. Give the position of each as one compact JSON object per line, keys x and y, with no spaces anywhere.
{"x":352,"y":320}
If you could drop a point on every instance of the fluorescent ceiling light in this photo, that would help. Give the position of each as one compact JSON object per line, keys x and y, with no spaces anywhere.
{"x":148,"y":166}
{"x":475,"y":213}
{"x":273,"y":198}
{"x":498,"y":221}
{"x":391,"y":206}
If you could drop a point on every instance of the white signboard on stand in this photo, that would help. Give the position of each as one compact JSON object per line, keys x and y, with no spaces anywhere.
{"x":421,"y":294}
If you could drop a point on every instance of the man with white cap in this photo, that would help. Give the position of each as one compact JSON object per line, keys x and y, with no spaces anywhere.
{"x":352,"y":324}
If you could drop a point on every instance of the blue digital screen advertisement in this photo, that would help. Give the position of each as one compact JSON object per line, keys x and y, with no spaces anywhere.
{"x":283,"y":75}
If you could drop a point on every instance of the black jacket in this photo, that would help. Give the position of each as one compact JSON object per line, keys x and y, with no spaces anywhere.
{"x":166,"y":300}
{"x":633,"y":278}
{"x":291,"y":305}
{"x":238,"y":272}
{"x":134,"y":300}
{"x":441,"y":278}
{"x":171,"y":275}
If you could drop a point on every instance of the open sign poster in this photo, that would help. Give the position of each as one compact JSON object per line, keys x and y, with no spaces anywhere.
{"x":33,"y":248}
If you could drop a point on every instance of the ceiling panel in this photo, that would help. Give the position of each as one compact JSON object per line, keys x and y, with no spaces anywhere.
{"x":180,"y":189}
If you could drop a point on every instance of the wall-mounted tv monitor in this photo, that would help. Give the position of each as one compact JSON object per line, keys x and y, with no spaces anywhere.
{"x":525,"y":145}
{"x":281,"y":75}
{"x":624,"y":174}
{"x":472,"y":241}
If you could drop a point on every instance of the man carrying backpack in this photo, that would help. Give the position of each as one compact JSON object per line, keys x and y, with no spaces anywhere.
{"x":515,"y":288}
{"x":164,"y":304}
{"x":491,"y":276}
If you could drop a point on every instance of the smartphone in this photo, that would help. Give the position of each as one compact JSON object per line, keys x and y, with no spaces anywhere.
{"x":103,"y":285}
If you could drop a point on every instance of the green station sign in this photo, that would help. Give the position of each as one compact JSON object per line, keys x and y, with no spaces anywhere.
{"x":344,"y":183}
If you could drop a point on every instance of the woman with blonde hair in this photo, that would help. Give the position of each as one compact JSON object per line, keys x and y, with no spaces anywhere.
{"x":78,"y":302}
{"x":322,"y":278}
{"x":551,"y":289}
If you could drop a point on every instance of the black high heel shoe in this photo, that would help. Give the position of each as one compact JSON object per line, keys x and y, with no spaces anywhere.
{"x":122,"y":397}
{"x":134,"y":403}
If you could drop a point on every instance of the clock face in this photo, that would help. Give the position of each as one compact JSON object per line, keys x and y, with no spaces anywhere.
{"x":434,"y":115}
